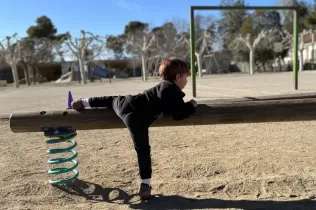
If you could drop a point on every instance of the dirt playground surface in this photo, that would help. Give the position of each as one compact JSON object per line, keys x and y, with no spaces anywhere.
{"x":242,"y":166}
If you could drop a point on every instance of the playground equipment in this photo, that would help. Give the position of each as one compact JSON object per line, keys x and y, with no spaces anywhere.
{"x":64,"y":123}
{"x":62,"y":134}
{"x":100,"y":72}
{"x":65,"y":78}
{"x":74,"y":73}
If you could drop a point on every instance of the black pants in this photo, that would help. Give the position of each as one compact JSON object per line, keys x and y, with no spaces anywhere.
{"x":138,"y":126}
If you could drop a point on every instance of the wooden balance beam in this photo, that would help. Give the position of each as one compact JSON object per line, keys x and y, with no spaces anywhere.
{"x":295,"y":107}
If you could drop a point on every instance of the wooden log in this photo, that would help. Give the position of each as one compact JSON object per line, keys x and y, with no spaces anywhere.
{"x":207,"y":113}
{"x":265,"y":98}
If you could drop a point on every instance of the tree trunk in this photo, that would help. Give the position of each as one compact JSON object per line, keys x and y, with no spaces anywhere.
{"x":82,"y":71}
{"x":29,"y":72}
{"x":257,"y":66}
{"x":251,"y":60}
{"x":280,"y":65}
{"x":38,"y":78}
{"x":91,"y":76}
{"x":88,"y":72}
{"x":134,"y":70}
{"x":149,"y":65}
{"x":264,"y":67}
{"x":26,"y":74}
{"x":157,"y":68}
{"x":34,"y":74}
{"x":15,"y":75}
{"x":313,"y":54}
{"x":199,"y":63}
{"x":301,"y":60}
{"x":217,"y":65}
{"x":144,"y":68}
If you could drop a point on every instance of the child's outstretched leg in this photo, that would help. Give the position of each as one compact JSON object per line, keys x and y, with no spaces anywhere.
{"x":138,"y":128}
{"x":139,"y":133}
{"x":103,"y":101}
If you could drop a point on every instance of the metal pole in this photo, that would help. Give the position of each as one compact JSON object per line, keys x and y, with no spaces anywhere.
{"x":295,"y":48}
{"x":192,"y":50}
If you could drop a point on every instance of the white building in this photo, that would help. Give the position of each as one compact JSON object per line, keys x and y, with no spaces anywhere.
{"x":308,"y":47}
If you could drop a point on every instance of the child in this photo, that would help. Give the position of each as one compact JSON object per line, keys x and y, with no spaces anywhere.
{"x":139,"y":111}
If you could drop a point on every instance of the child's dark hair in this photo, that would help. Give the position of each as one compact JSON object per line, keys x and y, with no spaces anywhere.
{"x":170,"y":67}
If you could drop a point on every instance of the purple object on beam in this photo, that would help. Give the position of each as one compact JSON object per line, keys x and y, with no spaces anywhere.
{"x":69,"y":100}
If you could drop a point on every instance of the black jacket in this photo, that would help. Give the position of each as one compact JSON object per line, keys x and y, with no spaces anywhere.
{"x":165,"y":98}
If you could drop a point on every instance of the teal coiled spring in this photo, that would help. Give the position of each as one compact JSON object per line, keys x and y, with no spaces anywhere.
{"x":60,"y":135}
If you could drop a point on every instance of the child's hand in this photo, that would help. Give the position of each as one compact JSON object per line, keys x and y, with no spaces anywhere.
{"x":192,"y":101}
{"x":77,"y":105}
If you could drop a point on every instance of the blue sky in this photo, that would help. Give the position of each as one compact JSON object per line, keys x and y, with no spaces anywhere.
{"x":101,"y":17}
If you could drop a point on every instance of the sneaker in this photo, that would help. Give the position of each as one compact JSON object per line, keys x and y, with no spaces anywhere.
{"x":144,"y":191}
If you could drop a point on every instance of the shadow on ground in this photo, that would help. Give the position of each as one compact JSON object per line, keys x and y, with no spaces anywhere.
{"x":97,"y":193}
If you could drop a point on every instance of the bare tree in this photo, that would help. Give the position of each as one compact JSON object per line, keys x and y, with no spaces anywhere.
{"x":168,"y":43}
{"x":280,"y":42}
{"x":79,"y":48}
{"x":252,"y":44}
{"x":300,"y":45}
{"x":39,"y":51}
{"x":35,"y":51}
{"x":203,"y":47}
{"x":12,"y":55}
{"x":140,"y":43}
{"x":182,"y":46}
{"x":2,"y":61}
{"x":59,"y":48}
{"x":27,"y":56}
{"x":181,"y":24}
{"x":205,"y":36}
{"x":93,"y":59}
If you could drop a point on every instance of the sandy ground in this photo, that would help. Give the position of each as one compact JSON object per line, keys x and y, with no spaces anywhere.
{"x":242,"y":166}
